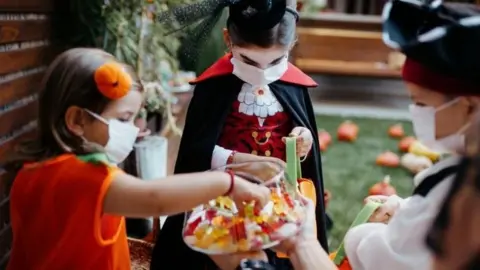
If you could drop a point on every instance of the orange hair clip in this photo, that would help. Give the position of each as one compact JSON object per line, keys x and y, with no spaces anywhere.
{"x":112,"y":80}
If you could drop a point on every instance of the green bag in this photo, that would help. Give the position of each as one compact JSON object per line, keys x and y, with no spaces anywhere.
{"x":293,"y":169}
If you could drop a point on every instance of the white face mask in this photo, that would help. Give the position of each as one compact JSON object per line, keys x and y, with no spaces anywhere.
{"x":257,"y":76}
{"x":122,"y":137}
{"x":423,"y":119}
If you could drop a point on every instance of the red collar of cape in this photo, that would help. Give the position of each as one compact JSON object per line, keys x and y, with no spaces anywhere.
{"x":224,"y":67}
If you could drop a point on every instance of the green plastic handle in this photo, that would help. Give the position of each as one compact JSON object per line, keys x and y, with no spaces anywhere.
{"x":294,"y":171}
{"x":363,"y":216}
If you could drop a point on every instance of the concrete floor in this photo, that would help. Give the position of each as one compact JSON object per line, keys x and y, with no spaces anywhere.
{"x":362,"y":97}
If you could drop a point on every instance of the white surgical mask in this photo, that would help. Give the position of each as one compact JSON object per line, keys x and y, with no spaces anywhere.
{"x":423,"y":119}
{"x":122,"y":137}
{"x":257,"y":76}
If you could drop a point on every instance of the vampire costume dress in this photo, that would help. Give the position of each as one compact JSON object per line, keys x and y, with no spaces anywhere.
{"x":228,"y":113}
{"x":428,"y":34}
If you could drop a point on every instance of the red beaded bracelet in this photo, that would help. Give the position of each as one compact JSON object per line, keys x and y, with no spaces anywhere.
{"x":230,"y":157}
{"x":232,"y":182}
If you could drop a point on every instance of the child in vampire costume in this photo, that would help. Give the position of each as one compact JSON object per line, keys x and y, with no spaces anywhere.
{"x":243,"y":105}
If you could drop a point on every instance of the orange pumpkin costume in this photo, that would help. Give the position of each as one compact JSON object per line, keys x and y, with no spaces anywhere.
{"x":57,"y":220}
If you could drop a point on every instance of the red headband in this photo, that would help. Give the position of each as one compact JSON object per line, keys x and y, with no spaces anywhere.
{"x":418,"y":74}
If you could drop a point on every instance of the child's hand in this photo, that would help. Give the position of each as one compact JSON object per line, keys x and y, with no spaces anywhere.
{"x":390,"y":205}
{"x":304,"y":140}
{"x":307,"y":233}
{"x":245,"y":191}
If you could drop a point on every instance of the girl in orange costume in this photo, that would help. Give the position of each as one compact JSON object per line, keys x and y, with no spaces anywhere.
{"x":68,"y":200}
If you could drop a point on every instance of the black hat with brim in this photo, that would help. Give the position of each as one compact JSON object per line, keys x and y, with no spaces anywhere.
{"x":445,"y":38}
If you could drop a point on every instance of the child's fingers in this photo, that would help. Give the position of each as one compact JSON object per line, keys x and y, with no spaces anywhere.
{"x":291,"y":135}
{"x":388,"y":208}
{"x":376,"y":198}
{"x":261,"y":195}
{"x":379,"y":217}
{"x":303,"y":150}
{"x":296,"y":132}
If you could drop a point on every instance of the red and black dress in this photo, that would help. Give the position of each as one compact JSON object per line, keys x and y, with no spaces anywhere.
{"x":228,"y":114}
{"x":256,"y":124}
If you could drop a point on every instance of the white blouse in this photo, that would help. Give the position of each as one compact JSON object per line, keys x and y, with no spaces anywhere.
{"x":400,"y":244}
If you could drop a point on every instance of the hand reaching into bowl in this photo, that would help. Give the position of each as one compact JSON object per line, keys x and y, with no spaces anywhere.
{"x":304,"y":249}
{"x":306,"y":234}
{"x":246,"y":191}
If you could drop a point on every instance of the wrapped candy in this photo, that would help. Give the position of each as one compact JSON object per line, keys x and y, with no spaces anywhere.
{"x":217,"y":227}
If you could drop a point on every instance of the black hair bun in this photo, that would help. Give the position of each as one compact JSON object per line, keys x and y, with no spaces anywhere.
{"x":257,"y":15}
{"x":261,"y":6}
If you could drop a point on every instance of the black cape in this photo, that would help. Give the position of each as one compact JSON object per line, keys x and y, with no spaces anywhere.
{"x":208,"y":109}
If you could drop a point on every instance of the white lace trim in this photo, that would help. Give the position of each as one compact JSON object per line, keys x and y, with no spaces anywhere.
{"x":260,"y":102}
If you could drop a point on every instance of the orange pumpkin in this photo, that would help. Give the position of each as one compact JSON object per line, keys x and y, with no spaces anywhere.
{"x":382,"y":188}
{"x":327,"y":195}
{"x":347,"y":131}
{"x":325,"y":139}
{"x":405,"y":143}
{"x":299,"y":5}
{"x":344,"y":265}
{"x":396,"y":131}
{"x":388,"y":159}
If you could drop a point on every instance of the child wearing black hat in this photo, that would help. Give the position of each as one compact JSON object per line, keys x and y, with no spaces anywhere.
{"x":442,"y":71}
{"x":243,"y":106}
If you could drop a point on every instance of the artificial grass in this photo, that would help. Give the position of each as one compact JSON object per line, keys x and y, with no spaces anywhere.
{"x":349,"y":169}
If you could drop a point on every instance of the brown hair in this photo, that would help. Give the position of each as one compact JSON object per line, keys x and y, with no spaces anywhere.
{"x":68,"y":81}
{"x":283,"y":33}
{"x":454,"y":237}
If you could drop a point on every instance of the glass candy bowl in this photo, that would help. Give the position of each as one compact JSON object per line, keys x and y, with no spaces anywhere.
{"x":218,"y":227}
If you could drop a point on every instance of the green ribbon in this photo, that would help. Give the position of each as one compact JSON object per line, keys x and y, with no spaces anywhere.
{"x":363,"y":216}
{"x":293,"y":170}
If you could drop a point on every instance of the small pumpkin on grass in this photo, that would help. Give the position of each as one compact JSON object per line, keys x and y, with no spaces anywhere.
{"x":396,"y":131}
{"x":324,"y":139}
{"x":405,"y":143}
{"x":347,"y":131}
{"x":388,"y":159}
{"x":383,"y":188}
{"x":327,"y":196}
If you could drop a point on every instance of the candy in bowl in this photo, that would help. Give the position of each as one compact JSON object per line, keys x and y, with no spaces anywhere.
{"x":220,"y":227}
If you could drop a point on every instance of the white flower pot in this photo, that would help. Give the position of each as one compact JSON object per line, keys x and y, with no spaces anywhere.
{"x":151,"y":158}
